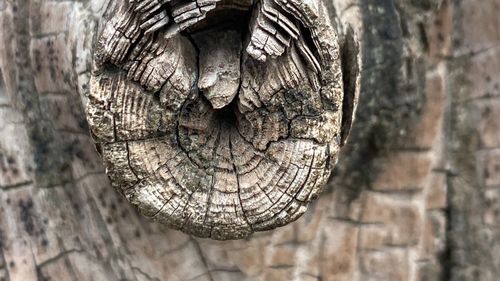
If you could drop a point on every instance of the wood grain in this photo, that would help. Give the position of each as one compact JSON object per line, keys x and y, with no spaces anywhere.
{"x":413,"y":196}
{"x":223,"y":127}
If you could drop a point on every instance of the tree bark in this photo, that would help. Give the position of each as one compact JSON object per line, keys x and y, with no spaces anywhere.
{"x":413,"y":197}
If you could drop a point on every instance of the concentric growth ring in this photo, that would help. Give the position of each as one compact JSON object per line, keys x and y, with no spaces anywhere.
{"x":218,"y":118}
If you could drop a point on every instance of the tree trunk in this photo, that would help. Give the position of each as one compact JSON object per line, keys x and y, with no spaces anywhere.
{"x":413,"y":197}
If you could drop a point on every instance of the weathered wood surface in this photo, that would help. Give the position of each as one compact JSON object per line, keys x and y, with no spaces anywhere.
{"x":211,"y":137}
{"x":413,"y":197}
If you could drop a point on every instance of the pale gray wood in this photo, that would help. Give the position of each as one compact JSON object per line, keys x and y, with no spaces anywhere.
{"x":208,"y":136}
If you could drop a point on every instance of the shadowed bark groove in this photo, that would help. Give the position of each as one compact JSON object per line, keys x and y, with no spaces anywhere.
{"x":221,"y":118}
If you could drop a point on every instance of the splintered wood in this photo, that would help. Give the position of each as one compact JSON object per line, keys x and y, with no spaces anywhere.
{"x":220,"y":118}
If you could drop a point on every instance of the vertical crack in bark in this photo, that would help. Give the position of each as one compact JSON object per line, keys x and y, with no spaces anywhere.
{"x":50,"y":153}
{"x":223,"y":131}
{"x":199,"y":251}
{"x":446,"y":257}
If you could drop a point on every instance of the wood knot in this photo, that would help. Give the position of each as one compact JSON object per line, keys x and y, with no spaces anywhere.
{"x":220,"y":117}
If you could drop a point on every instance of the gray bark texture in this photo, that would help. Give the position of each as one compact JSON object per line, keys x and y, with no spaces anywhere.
{"x":415,"y":194}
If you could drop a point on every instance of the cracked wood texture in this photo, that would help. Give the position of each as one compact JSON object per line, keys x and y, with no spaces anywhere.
{"x":220,"y":118}
{"x":414,"y":196}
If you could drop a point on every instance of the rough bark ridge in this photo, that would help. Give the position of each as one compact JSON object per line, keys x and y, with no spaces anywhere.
{"x":220,"y":118}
